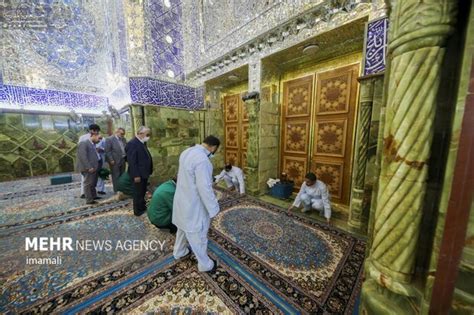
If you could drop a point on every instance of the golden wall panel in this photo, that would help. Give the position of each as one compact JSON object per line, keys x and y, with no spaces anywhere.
{"x":231,"y":108}
{"x":333,"y":93}
{"x":295,"y":168}
{"x":334,"y":121}
{"x":295,"y":137}
{"x":236,"y":129}
{"x":298,"y":97}
{"x":232,"y":136}
{"x":330,"y":137}
{"x":331,"y":173}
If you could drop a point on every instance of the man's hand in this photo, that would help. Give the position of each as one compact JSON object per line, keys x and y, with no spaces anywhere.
{"x":112,"y":163}
{"x":137,"y":179}
{"x":91,"y":170}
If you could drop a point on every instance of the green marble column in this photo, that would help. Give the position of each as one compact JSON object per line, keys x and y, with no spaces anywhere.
{"x":252,"y":174}
{"x":418,"y":31}
{"x":358,"y":197}
{"x":137,"y":117}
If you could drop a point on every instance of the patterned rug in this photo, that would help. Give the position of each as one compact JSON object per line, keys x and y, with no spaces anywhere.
{"x":269,"y":263}
{"x":34,"y":185}
{"x":313,"y":266}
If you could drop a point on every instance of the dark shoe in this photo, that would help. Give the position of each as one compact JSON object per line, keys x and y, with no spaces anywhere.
{"x":101,"y":192}
{"x":213,"y":268}
{"x":138,"y":213}
{"x":83,"y":196}
{"x":92,"y":203}
{"x":97,"y":198}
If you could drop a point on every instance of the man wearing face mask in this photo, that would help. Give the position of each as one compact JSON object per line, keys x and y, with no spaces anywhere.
{"x":140,"y":167}
{"x":233,"y":177}
{"x":87,"y":165}
{"x":313,"y":195}
{"x":115,"y":154}
{"x":195,"y":202}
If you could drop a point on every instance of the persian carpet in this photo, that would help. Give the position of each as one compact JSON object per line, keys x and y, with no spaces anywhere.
{"x":270,"y":262}
{"x":315,"y":267}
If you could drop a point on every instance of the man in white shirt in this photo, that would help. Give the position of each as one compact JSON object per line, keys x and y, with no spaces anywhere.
{"x":233,"y":177}
{"x":93,"y":129}
{"x":313,"y":194}
{"x":195,"y":203}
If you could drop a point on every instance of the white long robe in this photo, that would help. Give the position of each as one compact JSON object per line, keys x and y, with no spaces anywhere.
{"x":195,"y":201}
{"x":315,"y":196}
{"x":194,"y":205}
{"x":234,"y":177}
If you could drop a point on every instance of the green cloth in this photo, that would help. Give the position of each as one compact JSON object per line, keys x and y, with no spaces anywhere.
{"x":160,"y":209}
{"x":125,"y":184}
{"x":104,"y":173}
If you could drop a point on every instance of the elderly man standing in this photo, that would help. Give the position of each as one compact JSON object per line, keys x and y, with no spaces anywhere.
{"x":87,"y":165}
{"x":115,"y":154}
{"x":140,"y":167}
{"x":195,"y":202}
{"x":93,"y":129}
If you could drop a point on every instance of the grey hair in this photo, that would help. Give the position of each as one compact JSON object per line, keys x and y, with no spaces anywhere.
{"x":142,"y":129}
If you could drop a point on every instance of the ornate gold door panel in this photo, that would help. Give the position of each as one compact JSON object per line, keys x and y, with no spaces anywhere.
{"x":236,"y":130}
{"x":296,"y":128}
{"x":336,"y":97}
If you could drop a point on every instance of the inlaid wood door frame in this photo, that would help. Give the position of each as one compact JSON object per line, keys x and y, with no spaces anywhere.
{"x":295,"y":125}
{"x":235,"y":130}
{"x":323,"y":158}
{"x":334,"y":120}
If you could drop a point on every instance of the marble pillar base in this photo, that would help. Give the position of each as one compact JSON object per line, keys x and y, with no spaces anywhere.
{"x":381,"y":301}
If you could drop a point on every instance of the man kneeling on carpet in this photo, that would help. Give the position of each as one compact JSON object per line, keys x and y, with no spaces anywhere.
{"x":160,"y":209}
{"x":233,"y":177}
{"x":314,"y":195}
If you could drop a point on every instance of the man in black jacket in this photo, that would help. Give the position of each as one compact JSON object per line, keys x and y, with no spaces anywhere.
{"x":140,"y":167}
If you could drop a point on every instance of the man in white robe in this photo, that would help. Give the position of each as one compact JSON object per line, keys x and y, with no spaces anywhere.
{"x":233,"y":177}
{"x":313,"y":194}
{"x":195,"y":203}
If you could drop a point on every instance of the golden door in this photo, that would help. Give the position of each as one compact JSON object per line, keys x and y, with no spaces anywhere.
{"x":335,"y":106}
{"x":236,"y":130}
{"x":297,"y":98}
{"x":330,"y":152}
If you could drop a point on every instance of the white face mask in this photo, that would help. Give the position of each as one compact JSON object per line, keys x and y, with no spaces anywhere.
{"x":146,"y":139}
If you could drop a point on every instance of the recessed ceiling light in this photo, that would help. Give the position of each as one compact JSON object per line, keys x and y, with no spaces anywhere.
{"x":170,"y":73}
{"x":233,"y":77}
{"x":168,"y":39}
{"x":167,"y":3}
{"x":310,"y":49}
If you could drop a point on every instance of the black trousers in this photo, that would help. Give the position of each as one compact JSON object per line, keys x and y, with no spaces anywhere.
{"x":90,"y":182}
{"x":139,"y":206}
{"x":173,"y":229}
